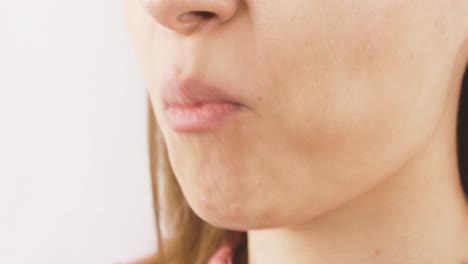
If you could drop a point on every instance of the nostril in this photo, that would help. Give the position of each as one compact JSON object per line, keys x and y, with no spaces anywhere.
{"x":192,"y":16}
{"x":204,"y":14}
{"x":189,"y":16}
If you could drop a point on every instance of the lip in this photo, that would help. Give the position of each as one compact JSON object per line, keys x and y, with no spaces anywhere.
{"x":192,"y":105}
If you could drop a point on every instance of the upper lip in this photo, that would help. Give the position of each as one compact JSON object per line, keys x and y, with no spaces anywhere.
{"x":193,"y":91}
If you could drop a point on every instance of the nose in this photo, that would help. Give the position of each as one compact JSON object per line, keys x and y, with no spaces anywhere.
{"x":185,"y":16}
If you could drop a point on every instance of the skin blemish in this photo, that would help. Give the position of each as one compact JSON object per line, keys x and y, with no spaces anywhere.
{"x":206,"y":204}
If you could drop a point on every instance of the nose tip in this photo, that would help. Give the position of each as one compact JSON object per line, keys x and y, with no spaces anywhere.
{"x":185,"y":16}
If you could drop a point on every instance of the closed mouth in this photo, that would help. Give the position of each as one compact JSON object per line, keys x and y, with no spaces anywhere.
{"x":191,"y":105}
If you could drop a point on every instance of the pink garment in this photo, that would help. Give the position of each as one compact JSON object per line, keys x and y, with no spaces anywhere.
{"x":223,"y":255}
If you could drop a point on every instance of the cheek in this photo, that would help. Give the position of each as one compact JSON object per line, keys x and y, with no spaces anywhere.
{"x":339,"y":67}
{"x":350,"y":90}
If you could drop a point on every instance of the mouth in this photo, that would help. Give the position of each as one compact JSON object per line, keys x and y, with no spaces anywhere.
{"x":191,"y":105}
{"x":199,"y":117}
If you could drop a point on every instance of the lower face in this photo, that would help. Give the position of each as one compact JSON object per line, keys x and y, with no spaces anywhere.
{"x":340,"y":95}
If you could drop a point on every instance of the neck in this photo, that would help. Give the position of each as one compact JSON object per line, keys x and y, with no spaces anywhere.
{"x":418,"y":215}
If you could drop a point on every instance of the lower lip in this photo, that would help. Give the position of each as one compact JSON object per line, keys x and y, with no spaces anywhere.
{"x":199,"y":117}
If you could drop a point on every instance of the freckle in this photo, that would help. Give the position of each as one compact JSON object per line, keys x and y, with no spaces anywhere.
{"x":257,"y":182}
{"x":439,"y":23}
{"x":259,"y":98}
{"x":411,"y":55}
{"x":292,"y":18}
{"x":377,"y":252}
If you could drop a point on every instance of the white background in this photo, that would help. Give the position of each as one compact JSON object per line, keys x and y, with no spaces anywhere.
{"x":74,"y":184}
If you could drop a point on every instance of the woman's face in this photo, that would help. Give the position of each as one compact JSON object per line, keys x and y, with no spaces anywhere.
{"x":338,"y":96}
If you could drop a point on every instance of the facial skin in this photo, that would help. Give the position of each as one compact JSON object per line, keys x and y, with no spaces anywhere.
{"x":342,"y":94}
{"x":351,"y":118}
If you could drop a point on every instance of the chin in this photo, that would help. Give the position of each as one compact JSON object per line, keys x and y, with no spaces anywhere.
{"x":237,"y":216}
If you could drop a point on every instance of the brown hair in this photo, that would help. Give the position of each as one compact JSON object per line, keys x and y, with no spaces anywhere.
{"x":462,"y":132}
{"x":191,"y":240}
